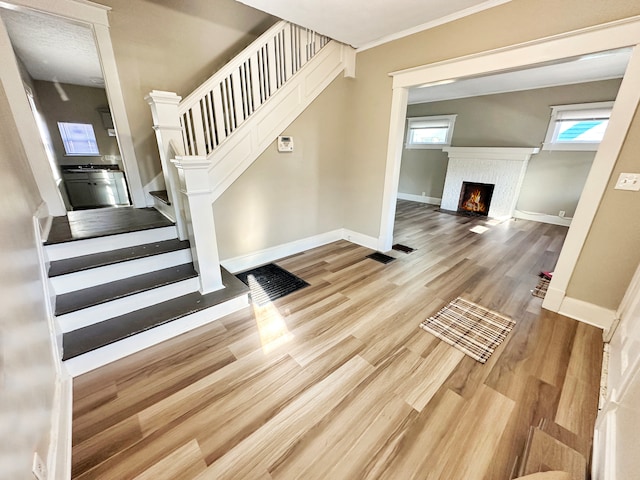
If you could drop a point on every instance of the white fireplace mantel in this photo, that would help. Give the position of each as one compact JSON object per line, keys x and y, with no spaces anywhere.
{"x":502,"y":166}
{"x":522,"y":154}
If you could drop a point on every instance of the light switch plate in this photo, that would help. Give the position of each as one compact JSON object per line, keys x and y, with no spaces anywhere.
{"x":628,"y":181}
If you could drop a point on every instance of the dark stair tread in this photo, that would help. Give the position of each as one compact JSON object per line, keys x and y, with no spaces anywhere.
{"x":161,"y":195}
{"x":104,"y":222}
{"x":88,"y":297}
{"x":118,"y":328}
{"x":101,"y":259}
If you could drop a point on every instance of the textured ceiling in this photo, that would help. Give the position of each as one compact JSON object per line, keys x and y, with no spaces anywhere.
{"x":54,"y":49}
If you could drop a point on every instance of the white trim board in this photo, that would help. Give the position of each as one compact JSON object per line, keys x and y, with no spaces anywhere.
{"x":271,"y":254}
{"x":609,"y":36}
{"x":419,"y":198}
{"x":587,"y":313}
{"x":96,"y":17}
{"x":543,"y":218}
{"x":440,"y":21}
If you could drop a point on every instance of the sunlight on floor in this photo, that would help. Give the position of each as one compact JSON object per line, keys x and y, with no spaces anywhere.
{"x":479,"y":229}
{"x":272,"y":328}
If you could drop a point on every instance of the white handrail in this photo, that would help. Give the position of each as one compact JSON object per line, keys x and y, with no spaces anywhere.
{"x":228,"y":98}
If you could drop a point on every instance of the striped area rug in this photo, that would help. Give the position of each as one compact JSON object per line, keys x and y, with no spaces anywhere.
{"x":470,"y":328}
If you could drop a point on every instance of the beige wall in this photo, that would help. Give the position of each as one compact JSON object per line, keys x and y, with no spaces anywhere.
{"x":27,"y":371}
{"x":514,"y":22}
{"x":173,"y":46}
{"x":81,"y":106}
{"x":611,"y":253}
{"x":554,"y":180}
{"x":284,"y":197}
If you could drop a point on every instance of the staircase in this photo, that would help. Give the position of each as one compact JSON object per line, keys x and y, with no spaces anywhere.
{"x":121,"y":293}
{"x":207,"y":140}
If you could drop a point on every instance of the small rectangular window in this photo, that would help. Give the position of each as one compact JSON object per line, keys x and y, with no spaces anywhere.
{"x":79,"y":139}
{"x":430,"y":132}
{"x":577,"y":127}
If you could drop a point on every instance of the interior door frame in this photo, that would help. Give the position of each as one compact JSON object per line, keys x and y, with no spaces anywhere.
{"x":608,"y":36}
{"x":95,"y":17}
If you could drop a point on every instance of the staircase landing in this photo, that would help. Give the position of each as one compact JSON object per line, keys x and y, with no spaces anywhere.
{"x":83,"y":224}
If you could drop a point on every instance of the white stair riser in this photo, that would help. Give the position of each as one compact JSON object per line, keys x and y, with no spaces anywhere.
{"x":110,"y":273}
{"x":98,"y":313}
{"x":77,"y":248}
{"x":163,"y":208}
{"x":110,"y":353}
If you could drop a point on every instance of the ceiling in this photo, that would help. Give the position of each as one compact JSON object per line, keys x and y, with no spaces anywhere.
{"x":54,"y":49}
{"x":365,"y":23}
{"x":60,"y":50}
{"x":587,"y":68}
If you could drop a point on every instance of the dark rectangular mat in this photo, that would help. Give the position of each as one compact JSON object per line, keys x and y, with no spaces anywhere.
{"x":269,"y":282}
{"x":403,"y":248}
{"x":381,"y":257}
{"x":541,"y":288}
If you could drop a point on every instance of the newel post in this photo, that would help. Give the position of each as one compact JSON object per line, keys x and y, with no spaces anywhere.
{"x":166,"y":123}
{"x":195,"y":186}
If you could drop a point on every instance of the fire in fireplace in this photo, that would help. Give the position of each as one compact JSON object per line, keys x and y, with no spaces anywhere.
{"x":475,"y":198}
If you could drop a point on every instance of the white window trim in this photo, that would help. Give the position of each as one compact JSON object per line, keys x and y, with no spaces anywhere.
{"x":418,"y":146}
{"x":549,"y":144}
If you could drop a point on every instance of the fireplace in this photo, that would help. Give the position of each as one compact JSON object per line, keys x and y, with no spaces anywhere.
{"x":475,"y":198}
{"x":503,"y":167}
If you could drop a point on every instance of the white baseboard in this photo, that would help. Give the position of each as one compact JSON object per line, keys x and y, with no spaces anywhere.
{"x":271,"y":254}
{"x":267,"y":255}
{"x":543,"y":218}
{"x":110,"y":353}
{"x":360,"y":239}
{"x":59,"y":455}
{"x":587,"y":313}
{"x":419,"y":198}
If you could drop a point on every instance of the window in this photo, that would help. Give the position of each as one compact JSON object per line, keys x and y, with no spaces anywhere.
{"x":430,"y":132}
{"x":577,"y":127}
{"x":78,"y":139}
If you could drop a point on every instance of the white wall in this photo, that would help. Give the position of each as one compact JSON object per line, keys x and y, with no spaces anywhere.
{"x":27,"y":368}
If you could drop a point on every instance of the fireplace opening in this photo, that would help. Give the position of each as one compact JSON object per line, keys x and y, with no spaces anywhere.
{"x":475,"y":198}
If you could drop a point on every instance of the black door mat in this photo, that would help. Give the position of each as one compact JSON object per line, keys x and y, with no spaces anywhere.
{"x":270,"y":282}
{"x":403,"y":248}
{"x":381,"y":257}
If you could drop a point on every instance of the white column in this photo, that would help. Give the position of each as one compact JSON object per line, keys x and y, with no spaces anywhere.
{"x":195,"y":186}
{"x":166,"y":123}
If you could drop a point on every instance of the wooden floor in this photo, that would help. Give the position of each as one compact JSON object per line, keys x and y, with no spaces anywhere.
{"x":337,"y":381}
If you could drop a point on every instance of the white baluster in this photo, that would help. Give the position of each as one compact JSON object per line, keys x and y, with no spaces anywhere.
{"x":236,"y":91}
{"x":288,"y":53}
{"x":218,"y":110}
{"x":198,"y":129}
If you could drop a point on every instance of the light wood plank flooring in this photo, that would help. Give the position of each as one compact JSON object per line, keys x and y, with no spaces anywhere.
{"x":337,"y":381}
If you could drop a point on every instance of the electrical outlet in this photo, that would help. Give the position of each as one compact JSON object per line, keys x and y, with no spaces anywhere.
{"x":39,"y":469}
{"x":628,"y":181}
{"x":561,"y":213}
{"x":424,"y":194}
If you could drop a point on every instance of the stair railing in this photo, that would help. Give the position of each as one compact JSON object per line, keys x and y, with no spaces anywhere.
{"x":190,"y":130}
{"x":219,"y":106}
